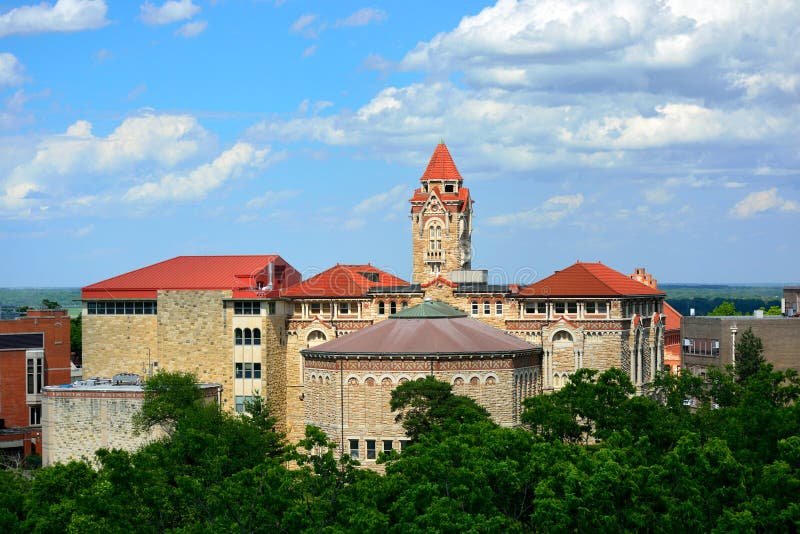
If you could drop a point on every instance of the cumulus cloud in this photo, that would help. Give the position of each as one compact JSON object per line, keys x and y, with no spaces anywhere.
{"x":308,"y":26}
{"x":363,"y":17}
{"x":192,"y":29}
{"x":11,"y":70}
{"x":762,"y":201}
{"x":80,"y":165}
{"x":197,"y":183}
{"x":546,"y":215}
{"x":393,"y":199}
{"x":169,"y":12}
{"x":64,"y":16}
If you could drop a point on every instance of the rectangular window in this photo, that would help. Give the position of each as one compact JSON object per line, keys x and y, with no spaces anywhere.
{"x":371,"y":454}
{"x":701,"y":347}
{"x":247,"y":370}
{"x":238,"y":369}
{"x":534,"y":307}
{"x":121,"y":307}
{"x":601,"y":307}
{"x":36,"y":414}
{"x":403,"y":444}
{"x":474,"y":308}
{"x":590,"y":307}
{"x":35,"y":371}
{"x":560,"y":307}
{"x":487,"y":308}
{"x":316,"y":307}
{"x":387,"y":446}
{"x":247,"y":307}
{"x":271,"y":308}
{"x":344,"y":308}
{"x":498,"y":308}
{"x":354,"y":449}
{"x":240,"y":401}
{"x":572,"y":307}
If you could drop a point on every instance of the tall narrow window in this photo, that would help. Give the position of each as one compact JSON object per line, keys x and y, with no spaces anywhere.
{"x":474,"y":307}
{"x":353,"y":449}
{"x":248,"y":337}
{"x":371,"y":453}
{"x":487,"y":308}
{"x":35,"y":371}
{"x":256,"y":336}
{"x":381,"y":308}
{"x":387,"y":446}
{"x":498,"y":307}
{"x":36,"y":414}
{"x":393,"y":307}
{"x":237,"y":336}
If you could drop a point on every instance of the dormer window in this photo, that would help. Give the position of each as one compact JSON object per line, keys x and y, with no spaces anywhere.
{"x":449,"y":188}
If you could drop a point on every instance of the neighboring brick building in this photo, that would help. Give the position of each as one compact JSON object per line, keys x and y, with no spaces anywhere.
{"x":201,"y":314}
{"x":710,"y":341}
{"x":34,"y":352}
{"x":82,"y":417}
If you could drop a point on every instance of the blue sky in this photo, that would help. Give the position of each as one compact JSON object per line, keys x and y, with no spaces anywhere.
{"x":637,"y":133}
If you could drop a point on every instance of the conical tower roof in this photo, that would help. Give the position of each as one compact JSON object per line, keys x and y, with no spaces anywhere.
{"x":441,"y":166}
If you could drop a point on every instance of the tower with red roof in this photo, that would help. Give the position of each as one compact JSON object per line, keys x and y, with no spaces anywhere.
{"x":441,"y":220}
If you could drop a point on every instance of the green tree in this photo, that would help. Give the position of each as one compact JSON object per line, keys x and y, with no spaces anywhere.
{"x":76,"y":337}
{"x":725,"y":309}
{"x":13,"y":488}
{"x":773,"y":310}
{"x":426,"y":404}
{"x":50,"y":304}
{"x":167,"y":397}
{"x":749,"y":355}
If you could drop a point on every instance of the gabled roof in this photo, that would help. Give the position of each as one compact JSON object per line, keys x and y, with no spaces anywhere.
{"x":186,"y":272}
{"x":441,"y":166}
{"x":449,"y":332}
{"x":673,"y":317}
{"x":588,"y":280}
{"x":429,"y":309}
{"x":344,"y":281}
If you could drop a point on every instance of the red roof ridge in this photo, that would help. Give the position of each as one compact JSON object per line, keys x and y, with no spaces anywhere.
{"x":441,"y":279}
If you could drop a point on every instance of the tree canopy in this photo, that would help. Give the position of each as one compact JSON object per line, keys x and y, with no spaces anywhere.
{"x":591,"y":456}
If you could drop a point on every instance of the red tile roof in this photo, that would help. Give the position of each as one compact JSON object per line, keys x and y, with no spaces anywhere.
{"x":673,"y":321}
{"x":344,"y":281}
{"x":192,"y":273}
{"x":441,"y":166}
{"x":588,"y":280}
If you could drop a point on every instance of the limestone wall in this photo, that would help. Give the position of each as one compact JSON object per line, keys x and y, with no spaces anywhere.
{"x":115,"y":344}
{"x":74,"y":426}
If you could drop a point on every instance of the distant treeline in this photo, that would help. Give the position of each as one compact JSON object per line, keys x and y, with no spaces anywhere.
{"x":704,"y":305}
{"x":33,"y":296}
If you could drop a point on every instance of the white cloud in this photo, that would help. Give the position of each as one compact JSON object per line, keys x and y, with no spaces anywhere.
{"x":64,"y":16}
{"x":546,"y":215}
{"x":271,"y":198}
{"x":192,"y":29}
{"x":137,"y":91}
{"x":11,"y":70}
{"x":169,"y":12}
{"x":396,"y":197}
{"x":363,"y":17}
{"x":103,"y":54}
{"x":761,"y":201}
{"x":310,"y":51}
{"x":197,"y":183}
{"x":78,"y":165}
{"x":307,"y":27}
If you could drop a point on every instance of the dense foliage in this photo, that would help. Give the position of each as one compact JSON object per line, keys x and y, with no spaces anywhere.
{"x":593,"y":457}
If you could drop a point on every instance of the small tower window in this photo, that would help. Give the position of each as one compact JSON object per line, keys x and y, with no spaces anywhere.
{"x":449,"y":188}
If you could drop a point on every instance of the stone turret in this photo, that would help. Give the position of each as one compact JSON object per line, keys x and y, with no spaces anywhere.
{"x":441,"y":220}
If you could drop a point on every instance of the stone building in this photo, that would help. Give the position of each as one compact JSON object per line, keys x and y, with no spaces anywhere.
{"x":203,"y":314}
{"x":349,"y":380}
{"x":82,"y":417}
{"x":34,"y":352}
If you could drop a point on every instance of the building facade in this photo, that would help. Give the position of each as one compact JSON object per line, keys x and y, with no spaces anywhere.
{"x":34,"y":353}
{"x":204,"y":314}
{"x":710,"y":341}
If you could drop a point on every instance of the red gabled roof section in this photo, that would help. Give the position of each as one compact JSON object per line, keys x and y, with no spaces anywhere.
{"x":673,"y":317}
{"x":441,"y":166}
{"x":439,"y":279}
{"x":344,"y":281}
{"x":236,"y":273}
{"x":588,"y":280}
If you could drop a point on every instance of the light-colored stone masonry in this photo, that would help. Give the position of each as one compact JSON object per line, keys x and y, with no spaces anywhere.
{"x":115,"y":344}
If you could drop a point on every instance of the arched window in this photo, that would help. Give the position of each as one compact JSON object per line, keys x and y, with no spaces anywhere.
{"x":393,"y":307}
{"x":316,"y":335}
{"x":256,"y":336}
{"x":562,"y":335}
{"x":237,"y":336}
{"x":490,"y":381}
{"x":404,"y":305}
{"x":381,"y":308}
{"x":458,"y":381}
{"x":352,"y":382}
{"x":474,"y":381}
{"x":386,"y":382}
{"x":248,"y":337}
{"x":369,"y":381}
{"x":474,"y":307}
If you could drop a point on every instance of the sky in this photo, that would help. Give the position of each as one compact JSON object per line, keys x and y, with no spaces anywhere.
{"x":639,"y":133}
